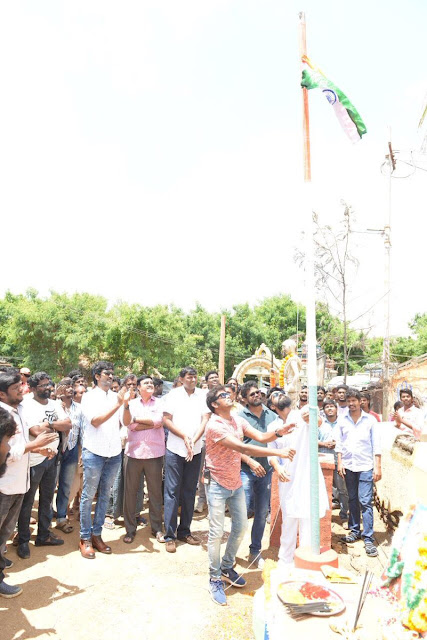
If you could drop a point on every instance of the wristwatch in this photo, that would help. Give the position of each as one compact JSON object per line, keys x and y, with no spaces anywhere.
{"x":278,"y":435}
{"x":126,"y":408}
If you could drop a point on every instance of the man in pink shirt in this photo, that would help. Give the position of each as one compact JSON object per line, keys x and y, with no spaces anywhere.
{"x":144,"y":453}
{"x":224,"y":448}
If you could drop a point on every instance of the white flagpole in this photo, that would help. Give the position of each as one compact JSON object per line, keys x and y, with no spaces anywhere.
{"x":310,"y":312}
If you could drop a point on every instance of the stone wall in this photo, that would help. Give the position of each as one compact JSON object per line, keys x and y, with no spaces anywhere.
{"x":404,"y":478}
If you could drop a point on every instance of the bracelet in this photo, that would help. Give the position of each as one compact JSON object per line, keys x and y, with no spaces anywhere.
{"x":126,"y":408}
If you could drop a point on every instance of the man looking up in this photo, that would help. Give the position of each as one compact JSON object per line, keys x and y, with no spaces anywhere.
{"x":303,"y":397}
{"x":321,"y":393}
{"x":256,"y":473}
{"x":212,"y":381}
{"x":212,"y":378}
{"x":130,"y":382}
{"x":342,"y":399}
{"x":158,"y":387}
{"x":359,"y":463}
{"x":42,"y":415}
{"x":224,"y":446}
{"x":184,"y":411}
{"x":101,"y":454}
{"x":70,"y":452}
{"x":15,"y":472}
{"x":408,"y":418}
{"x":145,"y":448}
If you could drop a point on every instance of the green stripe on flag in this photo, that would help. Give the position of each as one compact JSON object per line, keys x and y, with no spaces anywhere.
{"x":315,"y":80}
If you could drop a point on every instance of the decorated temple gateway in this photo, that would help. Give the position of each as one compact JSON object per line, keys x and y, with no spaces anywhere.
{"x":289,"y":372}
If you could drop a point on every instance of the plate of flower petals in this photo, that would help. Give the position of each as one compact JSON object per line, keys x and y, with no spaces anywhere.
{"x":299,"y":592}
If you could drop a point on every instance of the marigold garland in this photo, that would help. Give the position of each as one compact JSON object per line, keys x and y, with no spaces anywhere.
{"x":282,"y":369}
{"x":414,"y":578}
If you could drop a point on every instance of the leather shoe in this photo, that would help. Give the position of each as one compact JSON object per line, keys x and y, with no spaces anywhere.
{"x":190,"y":539}
{"x":99,"y":544}
{"x":170,"y":546}
{"x":86,"y":549}
{"x":23,"y":550}
{"x":51,"y":541}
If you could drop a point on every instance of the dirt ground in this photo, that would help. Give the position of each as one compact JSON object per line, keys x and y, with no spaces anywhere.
{"x":140,"y":591}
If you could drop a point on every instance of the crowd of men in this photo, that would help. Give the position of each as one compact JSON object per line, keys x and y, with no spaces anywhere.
{"x":106,"y":440}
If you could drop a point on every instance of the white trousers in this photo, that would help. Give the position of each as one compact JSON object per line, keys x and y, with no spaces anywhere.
{"x":288,"y":539}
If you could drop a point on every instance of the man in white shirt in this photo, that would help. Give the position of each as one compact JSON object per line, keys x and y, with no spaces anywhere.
{"x":184,"y":410}
{"x":342,"y":399}
{"x":15,"y":480}
{"x":41,"y":414}
{"x":101,"y":454}
{"x":409,"y":418}
{"x":358,"y":447}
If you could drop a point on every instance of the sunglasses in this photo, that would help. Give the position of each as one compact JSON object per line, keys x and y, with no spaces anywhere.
{"x":224,"y":394}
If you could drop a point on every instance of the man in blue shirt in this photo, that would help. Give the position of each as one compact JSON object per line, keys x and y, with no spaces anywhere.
{"x":359,"y":462}
{"x":256,"y":473}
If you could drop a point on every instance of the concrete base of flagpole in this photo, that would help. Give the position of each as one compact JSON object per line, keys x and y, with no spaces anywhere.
{"x":305,"y":559}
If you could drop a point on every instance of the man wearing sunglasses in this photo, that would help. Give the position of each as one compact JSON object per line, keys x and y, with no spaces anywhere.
{"x":256,"y":473}
{"x":224,"y":449}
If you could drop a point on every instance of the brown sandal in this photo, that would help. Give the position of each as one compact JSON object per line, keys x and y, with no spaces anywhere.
{"x":65,"y":526}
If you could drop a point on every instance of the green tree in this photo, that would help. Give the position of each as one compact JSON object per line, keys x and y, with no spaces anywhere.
{"x":53,"y":333}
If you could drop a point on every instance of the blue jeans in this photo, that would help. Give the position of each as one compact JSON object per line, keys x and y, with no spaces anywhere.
{"x":360,"y":487}
{"x":258,"y":490}
{"x":98,"y":475}
{"x":218,"y":498}
{"x":67,"y":472}
{"x":180,"y":489}
{"x":43,"y":478}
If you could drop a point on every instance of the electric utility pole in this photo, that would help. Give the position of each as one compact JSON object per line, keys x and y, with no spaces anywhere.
{"x":387,"y":284}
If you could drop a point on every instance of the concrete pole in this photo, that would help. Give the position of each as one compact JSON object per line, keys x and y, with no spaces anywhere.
{"x":387,"y":286}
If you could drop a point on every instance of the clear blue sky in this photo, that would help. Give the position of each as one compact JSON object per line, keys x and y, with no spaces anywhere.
{"x":167,"y":134}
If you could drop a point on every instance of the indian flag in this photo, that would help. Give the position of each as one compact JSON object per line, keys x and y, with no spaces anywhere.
{"x":345,"y":111}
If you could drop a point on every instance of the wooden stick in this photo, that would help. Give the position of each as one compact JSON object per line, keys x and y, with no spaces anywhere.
{"x":364,"y":592}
